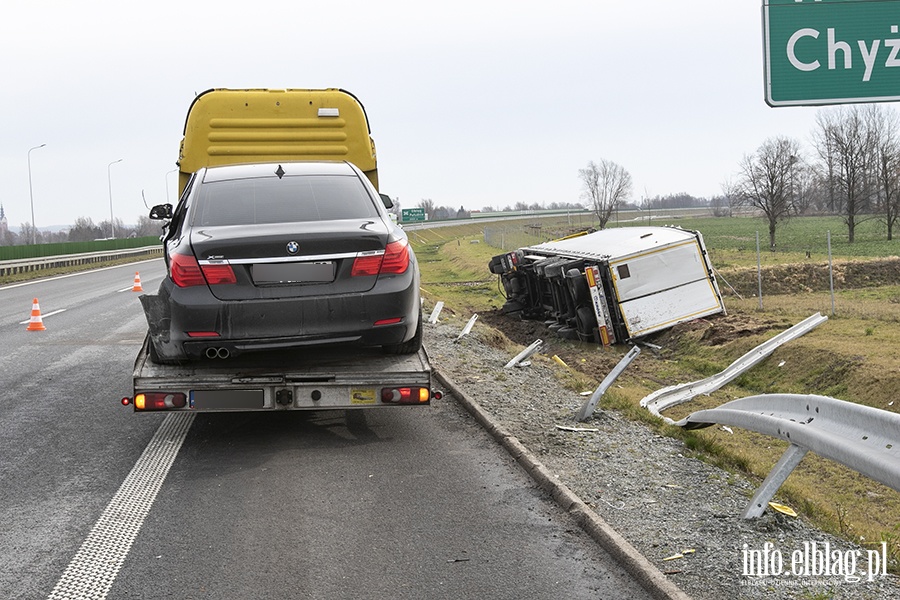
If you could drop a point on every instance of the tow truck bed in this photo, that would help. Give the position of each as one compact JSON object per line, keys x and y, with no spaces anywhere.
{"x":309,"y":379}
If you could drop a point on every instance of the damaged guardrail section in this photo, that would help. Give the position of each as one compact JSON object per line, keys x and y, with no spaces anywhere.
{"x":674,"y":395}
{"x":862,"y":438}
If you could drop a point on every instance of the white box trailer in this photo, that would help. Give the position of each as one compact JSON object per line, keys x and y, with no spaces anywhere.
{"x":613,"y":285}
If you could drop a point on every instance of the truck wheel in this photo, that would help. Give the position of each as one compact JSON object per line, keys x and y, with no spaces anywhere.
{"x":409,"y":347}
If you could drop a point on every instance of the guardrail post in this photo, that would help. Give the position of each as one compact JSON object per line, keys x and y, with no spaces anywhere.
{"x":588,"y":409}
{"x":534,"y":347}
{"x":467,"y":328}
{"x":436,"y":312}
{"x":779,"y":473}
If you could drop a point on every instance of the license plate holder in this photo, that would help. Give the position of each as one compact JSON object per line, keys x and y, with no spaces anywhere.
{"x":228,"y":399}
{"x":293,"y":272}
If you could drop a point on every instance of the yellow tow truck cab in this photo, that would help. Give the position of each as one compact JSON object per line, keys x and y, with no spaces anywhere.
{"x":231,"y":126}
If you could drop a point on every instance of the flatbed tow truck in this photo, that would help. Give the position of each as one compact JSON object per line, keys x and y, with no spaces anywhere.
{"x":287,"y":125}
{"x":305,"y":379}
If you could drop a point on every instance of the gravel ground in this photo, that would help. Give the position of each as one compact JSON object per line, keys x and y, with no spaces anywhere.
{"x":664,"y":502}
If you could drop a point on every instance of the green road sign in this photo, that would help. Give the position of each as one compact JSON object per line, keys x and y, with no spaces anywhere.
{"x":831,"y":51}
{"x":412,"y":214}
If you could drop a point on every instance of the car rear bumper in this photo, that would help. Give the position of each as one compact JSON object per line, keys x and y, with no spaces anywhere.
{"x":192,"y":323}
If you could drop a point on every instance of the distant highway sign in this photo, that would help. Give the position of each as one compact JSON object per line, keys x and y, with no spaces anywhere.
{"x":412,"y":214}
{"x":831,"y":51}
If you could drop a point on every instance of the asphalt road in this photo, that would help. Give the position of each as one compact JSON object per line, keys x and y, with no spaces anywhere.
{"x":416,"y":502}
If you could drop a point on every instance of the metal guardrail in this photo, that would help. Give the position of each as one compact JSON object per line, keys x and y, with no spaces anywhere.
{"x":588,"y":408}
{"x":862,"y":438}
{"x":674,"y":395}
{"x":12,"y":267}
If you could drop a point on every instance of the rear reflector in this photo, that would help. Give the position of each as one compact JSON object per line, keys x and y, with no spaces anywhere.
{"x":405,"y":395}
{"x":202,"y":334}
{"x":388,"y":321}
{"x":159,"y":401}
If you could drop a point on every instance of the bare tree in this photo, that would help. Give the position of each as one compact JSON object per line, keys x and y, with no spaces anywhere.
{"x":84,"y":230}
{"x":845,"y":141}
{"x":428,"y":205}
{"x":107,"y":231}
{"x":804,"y":187}
{"x":885,"y":125}
{"x":765,"y":181}
{"x":28,"y":232}
{"x":146,"y":227}
{"x":605,"y":186}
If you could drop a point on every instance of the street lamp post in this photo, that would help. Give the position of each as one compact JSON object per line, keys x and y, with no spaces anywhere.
{"x":112,"y":223}
{"x":31,"y":194}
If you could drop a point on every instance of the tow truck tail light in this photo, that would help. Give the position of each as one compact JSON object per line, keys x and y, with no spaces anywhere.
{"x":405,"y":395}
{"x":159,"y":400}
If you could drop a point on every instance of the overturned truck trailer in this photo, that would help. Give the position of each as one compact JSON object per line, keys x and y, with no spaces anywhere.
{"x":614,"y":285}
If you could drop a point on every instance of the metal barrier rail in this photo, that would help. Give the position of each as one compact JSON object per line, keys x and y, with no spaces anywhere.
{"x":674,"y":395}
{"x":12,"y":267}
{"x":862,"y":438}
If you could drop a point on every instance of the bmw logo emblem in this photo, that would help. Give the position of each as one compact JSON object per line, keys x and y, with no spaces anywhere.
{"x":293,"y":247}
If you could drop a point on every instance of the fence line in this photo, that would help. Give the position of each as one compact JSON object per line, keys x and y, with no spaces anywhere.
{"x":12,"y":267}
{"x":66,"y":248}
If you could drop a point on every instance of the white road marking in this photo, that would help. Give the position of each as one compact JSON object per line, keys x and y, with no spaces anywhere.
{"x":43,"y":316}
{"x":93,"y":571}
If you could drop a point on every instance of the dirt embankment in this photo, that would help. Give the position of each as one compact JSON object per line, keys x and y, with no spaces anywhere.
{"x":813,"y":276}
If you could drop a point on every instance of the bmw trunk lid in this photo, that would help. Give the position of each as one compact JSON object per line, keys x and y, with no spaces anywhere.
{"x":288,"y":260}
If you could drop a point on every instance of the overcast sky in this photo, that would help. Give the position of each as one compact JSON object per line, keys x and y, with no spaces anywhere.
{"x":470,"y":103}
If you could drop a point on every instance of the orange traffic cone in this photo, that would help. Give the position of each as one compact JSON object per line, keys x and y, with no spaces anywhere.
{"x":36,"y":323}
{"x":137,"y":283}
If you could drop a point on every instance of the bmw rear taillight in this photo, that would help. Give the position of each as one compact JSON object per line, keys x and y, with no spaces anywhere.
{"x":405,"y":395}
{"x":159,"y":401}
{"x":367,"y":264}
{"x":396,"y":258}
{"x":393,"y":261}
{"x":187,"y":272}
{"x":218,"y":274}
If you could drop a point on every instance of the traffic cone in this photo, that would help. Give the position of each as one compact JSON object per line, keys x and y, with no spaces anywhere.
{"x":137,"y":283}
{"x":35,"y":323}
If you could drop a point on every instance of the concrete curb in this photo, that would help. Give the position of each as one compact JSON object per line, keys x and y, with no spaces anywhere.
{"x":650,"y":577}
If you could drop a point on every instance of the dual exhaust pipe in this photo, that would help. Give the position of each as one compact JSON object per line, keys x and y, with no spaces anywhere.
{"x":218,"y":353}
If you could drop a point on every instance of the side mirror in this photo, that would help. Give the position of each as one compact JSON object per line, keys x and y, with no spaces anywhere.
{"x":386,"y":200}
{"x":161,"y":211}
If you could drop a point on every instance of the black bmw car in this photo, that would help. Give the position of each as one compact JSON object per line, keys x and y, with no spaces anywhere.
{"x":271,"y":256}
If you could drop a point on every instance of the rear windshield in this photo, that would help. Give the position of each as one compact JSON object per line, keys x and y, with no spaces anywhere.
{"x":286,"y":200}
